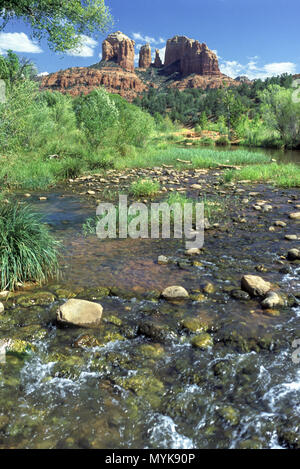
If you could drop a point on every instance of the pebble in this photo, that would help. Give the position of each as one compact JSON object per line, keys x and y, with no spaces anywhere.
{"x":291,"y":237}
{"x":280,"y":223}
{"x":295,"y":216}
{"x":162,"y":260}
{"x":1,"y":308}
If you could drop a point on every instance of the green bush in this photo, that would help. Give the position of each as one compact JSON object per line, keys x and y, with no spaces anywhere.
{"x":144,"y":188}
{"x":27,"y":250}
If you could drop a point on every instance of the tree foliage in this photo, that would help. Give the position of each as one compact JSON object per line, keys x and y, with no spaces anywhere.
{"x":61,"y":22}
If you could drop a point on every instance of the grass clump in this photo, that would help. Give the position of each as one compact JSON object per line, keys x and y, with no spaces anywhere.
{"x":144,"y":188}
{"x":28,"y":252}
{"x":280,"y":175}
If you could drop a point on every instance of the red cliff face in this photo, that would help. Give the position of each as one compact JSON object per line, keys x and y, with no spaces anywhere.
{"x":145,"y":56}
{"x":191,"y":56}
{"x":120,"y":49}
{"x":157,"y":62}
{"x":79,"y":80}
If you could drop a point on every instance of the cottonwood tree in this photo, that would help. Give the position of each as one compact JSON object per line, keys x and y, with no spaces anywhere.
{"x":281,"y":113}
{"x":61,"y":22}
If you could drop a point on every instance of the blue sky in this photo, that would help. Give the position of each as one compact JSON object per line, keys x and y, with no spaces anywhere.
{"x":257,"y":38}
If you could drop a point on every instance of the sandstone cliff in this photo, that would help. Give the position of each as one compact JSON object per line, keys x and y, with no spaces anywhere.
{"x":190,"y":56}
{"x":79,"y":80}
{"x":157,"y":62}
{"x":119,"y":48}
{"x":145,"y":56}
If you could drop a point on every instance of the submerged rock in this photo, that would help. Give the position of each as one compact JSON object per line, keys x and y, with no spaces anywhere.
{"x":37,"y":299}
{"x":272,"y":299}
{"x":202,"y":341}
{"x":175,"y":293}
{"x":80,"y":313}
{"x":255,"y":285}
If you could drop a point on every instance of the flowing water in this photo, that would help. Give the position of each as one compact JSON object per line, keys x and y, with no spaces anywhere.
{"x":139,"y":382}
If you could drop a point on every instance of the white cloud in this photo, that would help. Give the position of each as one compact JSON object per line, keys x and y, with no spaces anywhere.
{"x":18,"y":42}
{"x":43,"y":74}
{"x":139,"y":37}
{"x":86,"y":48}
{"x":254,"y":71}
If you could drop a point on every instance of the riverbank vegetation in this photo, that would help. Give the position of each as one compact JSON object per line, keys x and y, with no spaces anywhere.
{"x":28,"y":252}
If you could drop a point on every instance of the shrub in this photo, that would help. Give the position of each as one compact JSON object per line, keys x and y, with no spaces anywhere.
{"x":222,"y":141}
{"x":144,"y":188}
{"x":27,"y":250}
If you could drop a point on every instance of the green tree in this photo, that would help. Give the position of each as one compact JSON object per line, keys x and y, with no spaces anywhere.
{"x":13,"y":69}
{"x":281,"y":113}
{"x":96,"y":113}
{"x":61,"y":22}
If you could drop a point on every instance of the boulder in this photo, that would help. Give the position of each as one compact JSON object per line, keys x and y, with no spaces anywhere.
{"x":271,"y":300}
{"x":255,"y":285}
{"x":80,"y":313}
{"x":175,"y":293}
{"x":293,"y":255}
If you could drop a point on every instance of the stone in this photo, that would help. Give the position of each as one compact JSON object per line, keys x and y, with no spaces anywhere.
{"x":35,"y":299}
{"x":118,"y":48}
{"x":202,"y":341}
{"x":240,"y":295}
{"x":272,"y":300}
{"x":162,"y":260}
{"x":267,"y":208}
{"x":280,"y":223}
{"x":291,"y":237}
{"x":86,"y":341}
{"x":193,"y":252}
{"x":145,"y":56}
{"x":4,"y":294}
{"x":293,"y":255}
{"x":195,"y":325}
{"x":157,"y":62}
{"x":175,"y":293}
{"x":189,"y":56}
{"x":80,"y":313}
{"x":295,"y":216}
{"x":1,"y":307}
{"x":255,"y":285}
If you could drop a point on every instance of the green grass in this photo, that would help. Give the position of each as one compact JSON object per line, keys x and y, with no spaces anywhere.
{"x":28,"y":252}
{"x":280,"y":175}
{"x":199,"y":157}
{"x":144,"y":188}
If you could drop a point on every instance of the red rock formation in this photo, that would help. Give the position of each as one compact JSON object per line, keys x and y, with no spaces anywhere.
{"x":191,"y":57}
{"x":79,"y":80}
{"x":204,"y":82}
{"x":120,"y":49}
{"x":145,"y":56}
{"x":157,"y":62}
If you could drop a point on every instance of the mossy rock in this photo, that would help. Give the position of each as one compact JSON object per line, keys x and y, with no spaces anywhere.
{"x":20,"y":348}
{"x":208,"y":288}
{"x":250,"y":444}
{"x":113,"y":320}
{"x":111,"y":337}
{"x":35,"y":299}
{"x":198,"y":297}
{"x":147,"y":387}
{"x":86,"y":341}
{"x":230,"y":415}
{"x":65,"y":294}
{"x":92,"y":294}
{"x":31,"y":333}
{"x":202,"y":341}
{"x":194,"y":325}
{"x":151,"y":350}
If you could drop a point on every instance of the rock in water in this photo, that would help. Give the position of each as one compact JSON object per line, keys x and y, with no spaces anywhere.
{"x":295,"y":216}
{"x":272,"y":299}
{"x":80,"y":313}
{"x":293,"y":255}
{"x":175,"y":293}
{"x":255,"y":286}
